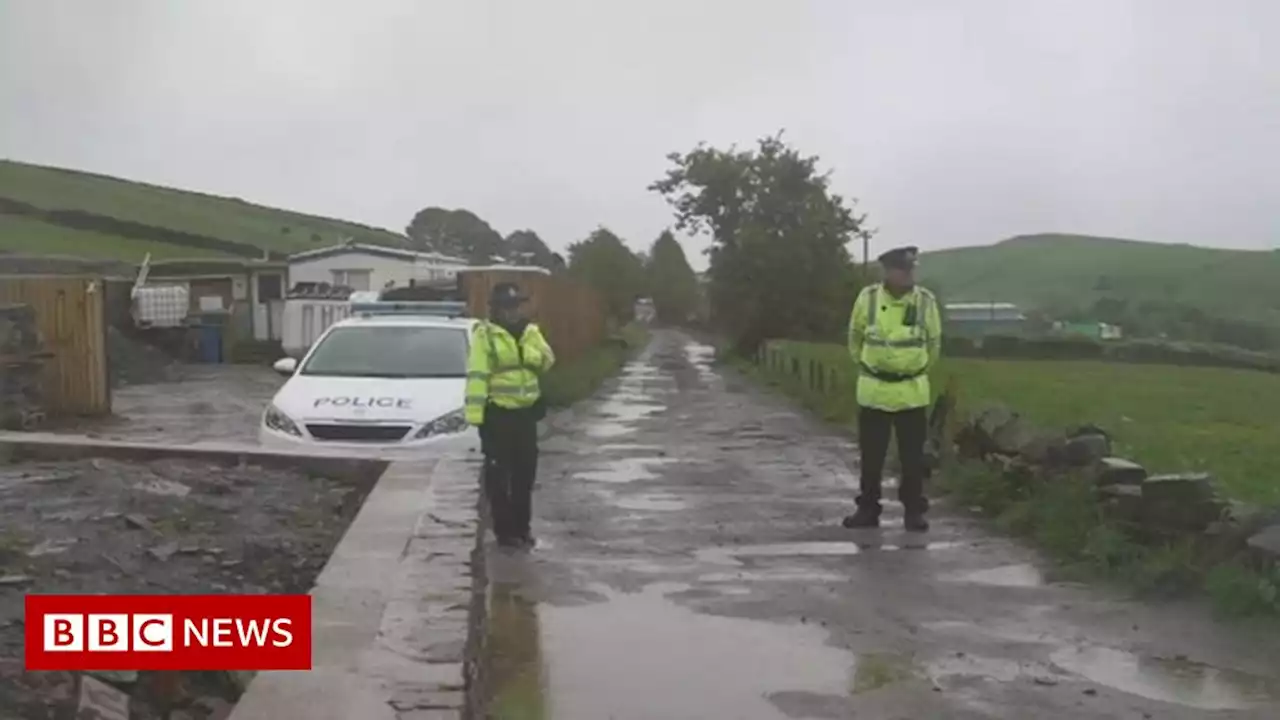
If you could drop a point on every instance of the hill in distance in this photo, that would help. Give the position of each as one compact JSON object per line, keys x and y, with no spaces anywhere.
{"x":52,"y":211}
{"x":1056,"y":272}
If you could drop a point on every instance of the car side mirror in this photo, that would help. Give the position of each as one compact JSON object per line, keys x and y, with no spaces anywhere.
{"x":285,"y":366}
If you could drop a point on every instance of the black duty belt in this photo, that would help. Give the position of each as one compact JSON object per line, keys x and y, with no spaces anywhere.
{"x":889,"y":377}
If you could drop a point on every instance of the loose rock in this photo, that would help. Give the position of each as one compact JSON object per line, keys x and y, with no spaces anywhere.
{"x":1084,"y":450}
{"x":1267,"y":541}
{"x":100,"y":701}
{"x":1185,"y":502}
{"x":1118,"y":471}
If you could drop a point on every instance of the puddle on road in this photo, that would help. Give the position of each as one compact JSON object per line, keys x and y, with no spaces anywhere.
{"x":772,"y":575}
{"x":609,"y":429}
{"x":629,"y":447}
{"x":984,"y":631}
{"x":628,"y":411}
{"x":614,"y":659}
{"x":1024,"y":575}
{"x":730,"y":554}
{"x":656,"y":501}
{"x":1181,"y":682}
{"x":625,"y":470}
{"x":998,"y":669}
{"x":630,"y":396}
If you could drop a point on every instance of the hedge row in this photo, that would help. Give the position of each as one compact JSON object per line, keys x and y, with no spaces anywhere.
{"x":1135,"y":351}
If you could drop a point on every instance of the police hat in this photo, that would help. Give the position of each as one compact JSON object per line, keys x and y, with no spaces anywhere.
{"x":903,"y":258}
{"x":506,"y":295}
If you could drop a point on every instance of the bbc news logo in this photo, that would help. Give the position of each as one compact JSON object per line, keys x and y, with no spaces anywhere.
{"x":168,"y":632}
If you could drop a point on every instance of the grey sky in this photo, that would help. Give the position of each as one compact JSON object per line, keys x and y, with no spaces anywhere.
{"x":954,"y":122}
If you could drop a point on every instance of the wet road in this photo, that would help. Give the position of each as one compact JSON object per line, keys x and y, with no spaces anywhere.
{"x":692,"y":566}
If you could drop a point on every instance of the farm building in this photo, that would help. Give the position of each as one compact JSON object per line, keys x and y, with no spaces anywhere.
{"x":978,"y":319}
{"x":371,"y":267}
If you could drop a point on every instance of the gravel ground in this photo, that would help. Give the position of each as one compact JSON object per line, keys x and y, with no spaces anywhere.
{"x":169,"y":526}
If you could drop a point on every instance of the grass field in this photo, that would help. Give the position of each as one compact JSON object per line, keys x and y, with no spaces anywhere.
{"x":32,"y":237}
{"x":1047,"y":271}
{"x":1168,"y":418}
{"x":224,"y":218}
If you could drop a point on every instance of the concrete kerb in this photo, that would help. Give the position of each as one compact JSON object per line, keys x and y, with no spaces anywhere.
{"x":37,"y":447}
{"x":400,"y":609}
{"x":399,"y":612}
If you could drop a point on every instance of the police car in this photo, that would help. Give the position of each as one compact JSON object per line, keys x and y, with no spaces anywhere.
{"x":393,"y":376}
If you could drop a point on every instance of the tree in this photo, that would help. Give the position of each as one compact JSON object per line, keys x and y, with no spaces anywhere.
{"x":671,"y":281}
{"x":459,"y":233}
{"x":779,"y":264}
{"x":524,"y":247}
{"x":605,"y":263}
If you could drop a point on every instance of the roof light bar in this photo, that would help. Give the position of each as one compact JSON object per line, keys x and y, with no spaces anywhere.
{"x":437,"y":308}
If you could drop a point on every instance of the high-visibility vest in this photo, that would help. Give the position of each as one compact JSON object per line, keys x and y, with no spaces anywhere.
{"x":891,"y":347}
{"x":504,"y":371}
{"x":894,"y":357}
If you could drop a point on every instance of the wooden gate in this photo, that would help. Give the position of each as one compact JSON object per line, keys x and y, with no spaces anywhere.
{"x":71,"y":316}
{"x":570,"y":313}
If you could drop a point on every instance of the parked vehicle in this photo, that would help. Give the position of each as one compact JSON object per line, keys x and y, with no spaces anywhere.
{"x":392,"y":375}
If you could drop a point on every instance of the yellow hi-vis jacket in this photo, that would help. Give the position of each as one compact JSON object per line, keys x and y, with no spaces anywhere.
{"x":894,"y":358}
{"x":502,"y":371}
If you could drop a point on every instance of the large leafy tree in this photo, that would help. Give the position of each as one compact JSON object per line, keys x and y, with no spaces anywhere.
{"x":779,"y":263}
{"x":604,"y":262}
{"x":524,"y":247}
{"x":460,"y":233}
{"x":671,"y":280}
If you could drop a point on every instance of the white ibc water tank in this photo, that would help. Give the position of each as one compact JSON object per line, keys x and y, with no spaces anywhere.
{"x":161,"y":306}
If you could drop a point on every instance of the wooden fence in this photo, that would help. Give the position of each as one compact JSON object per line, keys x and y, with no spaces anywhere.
{"x":809,"y":374}
{"x":71,"y":317}
{"x":571,"y":314}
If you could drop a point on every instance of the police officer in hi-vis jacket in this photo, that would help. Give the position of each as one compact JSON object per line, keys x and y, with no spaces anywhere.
{"x":508,"y":354}
{"x":895,"y":337}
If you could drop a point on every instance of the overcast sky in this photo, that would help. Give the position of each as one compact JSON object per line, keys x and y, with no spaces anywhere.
{"x":955,"y":122}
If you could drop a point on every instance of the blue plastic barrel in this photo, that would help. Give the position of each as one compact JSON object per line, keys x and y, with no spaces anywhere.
{"x":211,"y":344}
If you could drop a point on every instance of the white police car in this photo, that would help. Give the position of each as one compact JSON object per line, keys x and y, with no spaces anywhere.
{"x":391,"y":376}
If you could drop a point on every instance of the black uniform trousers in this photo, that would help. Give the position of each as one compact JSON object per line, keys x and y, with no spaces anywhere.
{"x":509,"y":440}
{"x":874,"y":429}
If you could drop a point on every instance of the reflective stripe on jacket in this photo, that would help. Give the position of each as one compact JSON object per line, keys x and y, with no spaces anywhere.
{"x":894,"y":358}
{"x":502,"y":371}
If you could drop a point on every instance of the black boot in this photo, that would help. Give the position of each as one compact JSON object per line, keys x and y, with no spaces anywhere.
{"x":865,"y":517}
{"x":915,"y":522}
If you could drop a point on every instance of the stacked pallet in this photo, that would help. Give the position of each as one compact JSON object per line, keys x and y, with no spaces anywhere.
{"x":21,"y":358}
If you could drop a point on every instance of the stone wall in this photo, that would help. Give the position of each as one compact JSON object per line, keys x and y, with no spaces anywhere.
{"x":21,"y":394}
{"x":1152,"y":507}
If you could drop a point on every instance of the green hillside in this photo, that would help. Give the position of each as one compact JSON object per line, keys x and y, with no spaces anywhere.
{"x":52,"y":210}
{"x":1061,"y":273}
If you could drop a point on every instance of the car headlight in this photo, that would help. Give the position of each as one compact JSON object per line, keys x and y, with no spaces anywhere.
{"x":280,"y":422}
{"x":454,"y":422}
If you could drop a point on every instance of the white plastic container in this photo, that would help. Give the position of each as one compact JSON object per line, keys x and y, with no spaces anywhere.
{"x":161,"y":306}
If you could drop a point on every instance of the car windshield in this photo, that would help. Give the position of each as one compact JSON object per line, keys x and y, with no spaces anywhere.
{"x":390,"y":351}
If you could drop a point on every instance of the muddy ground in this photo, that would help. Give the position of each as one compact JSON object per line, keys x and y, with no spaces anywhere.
{"x":692,"y":566}
{"x":169,"y":526}
{"x":188,"y":404}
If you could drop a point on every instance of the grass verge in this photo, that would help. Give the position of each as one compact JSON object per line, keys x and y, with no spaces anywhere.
{"x":1172,"y":418}
{"x":568,"y":383}
{"x":1169,"y":418}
